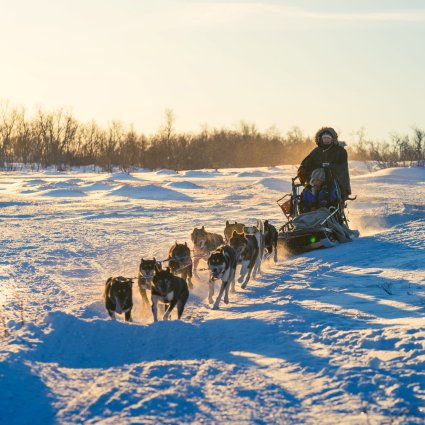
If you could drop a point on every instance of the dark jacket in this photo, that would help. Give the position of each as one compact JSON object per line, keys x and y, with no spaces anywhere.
{"x":333,"y":156}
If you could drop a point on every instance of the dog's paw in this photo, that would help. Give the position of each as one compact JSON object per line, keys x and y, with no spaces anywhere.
{"x":226,"y":300}
{"x":215,"y":307}
{"x":243,"y":286}
{"x":210,"y":300}
{"x":240,"y":280}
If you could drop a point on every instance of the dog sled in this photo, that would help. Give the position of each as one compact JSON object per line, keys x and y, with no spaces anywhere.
{"x":323,"y":227}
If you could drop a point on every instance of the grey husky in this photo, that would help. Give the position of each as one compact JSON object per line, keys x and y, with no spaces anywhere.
{"x":203,"y":243}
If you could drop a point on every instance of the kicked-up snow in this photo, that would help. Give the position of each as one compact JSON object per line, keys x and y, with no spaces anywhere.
{"x":330,"y":336}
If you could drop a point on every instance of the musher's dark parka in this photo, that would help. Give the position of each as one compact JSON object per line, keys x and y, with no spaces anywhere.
{"x":334,"y":155}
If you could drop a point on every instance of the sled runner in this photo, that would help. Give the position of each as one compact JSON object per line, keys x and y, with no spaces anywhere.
{"x":322,"y":226}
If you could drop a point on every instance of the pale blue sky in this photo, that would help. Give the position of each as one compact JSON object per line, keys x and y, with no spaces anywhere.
{"x":345,"y":63}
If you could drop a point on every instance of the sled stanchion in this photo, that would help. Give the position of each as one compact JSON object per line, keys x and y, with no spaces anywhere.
{"x":329,"y":216}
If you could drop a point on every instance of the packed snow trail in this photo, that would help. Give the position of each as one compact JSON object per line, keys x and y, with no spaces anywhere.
{"x":329,"y":336}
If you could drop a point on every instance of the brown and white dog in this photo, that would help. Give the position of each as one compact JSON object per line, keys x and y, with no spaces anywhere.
{"x":230,"y":228}
{"x":203,"y":243}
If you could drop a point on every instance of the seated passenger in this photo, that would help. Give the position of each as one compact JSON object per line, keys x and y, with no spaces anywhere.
{"x":317,"y":193}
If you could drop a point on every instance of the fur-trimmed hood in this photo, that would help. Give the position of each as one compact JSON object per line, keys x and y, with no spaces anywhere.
{"x":323,"y":130}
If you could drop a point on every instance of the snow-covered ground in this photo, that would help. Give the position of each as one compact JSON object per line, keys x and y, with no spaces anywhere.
{"x":331,"y":336}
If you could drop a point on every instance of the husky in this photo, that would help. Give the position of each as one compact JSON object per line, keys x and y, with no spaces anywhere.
{"x":270,"y":240}
{"x":230,"y":228}
{"x":258,"y":232}
{"x":222,"y":264}
{"x":246,"y":248}
{"x":118,"y":297}
{"x":203,"y":243}
{"x":170,"y":290}
{"x":146,"y":272}
{"x":180,"y":261}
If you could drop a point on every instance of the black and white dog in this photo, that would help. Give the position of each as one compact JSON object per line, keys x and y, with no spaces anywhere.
{"x":258,"y":232}
{"x":180,"y":261}
{"x":222,"y":264}
{"x":246,"y":248}
{"x":270,"y":240}
{"x":170,"y":290}
{"x":118,"y":297}
{"x":203,"y":243}
{"x":144,"y":280}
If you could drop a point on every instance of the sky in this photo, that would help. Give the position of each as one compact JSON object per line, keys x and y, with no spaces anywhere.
{"x":349,"y":64}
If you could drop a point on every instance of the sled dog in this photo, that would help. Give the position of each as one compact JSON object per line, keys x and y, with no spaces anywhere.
{"x":270,"y":240}
{"x":146,"y":273}
{"x":258,"y":232}
{"x":170,"y":290}
{"x":230,"y":228}
{"x":222,"y":264}
{"x":180,"y":261}
{"x":118,"y":297}
{"x":203,"y":243}
{"x":246,"y":248}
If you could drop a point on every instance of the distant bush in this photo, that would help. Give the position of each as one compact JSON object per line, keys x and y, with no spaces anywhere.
{"x":399,"y":151}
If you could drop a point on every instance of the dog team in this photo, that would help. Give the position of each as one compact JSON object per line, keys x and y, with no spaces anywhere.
{"x":242,"y":245}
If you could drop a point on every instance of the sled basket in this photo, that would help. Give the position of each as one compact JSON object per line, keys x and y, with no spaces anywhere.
{"x":285,"y":204}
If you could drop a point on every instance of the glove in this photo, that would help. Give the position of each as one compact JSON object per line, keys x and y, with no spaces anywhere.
{"x":303,"y":176}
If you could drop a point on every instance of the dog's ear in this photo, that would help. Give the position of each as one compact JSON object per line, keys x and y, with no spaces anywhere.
{"x":266,"y":222}
{"x":141,"y":259}
{"x":158,"y":267}
{"x":203,"y":227}
{"x":185,"y":243}
{"x":154,"y":259}
{"x":227,"y":222}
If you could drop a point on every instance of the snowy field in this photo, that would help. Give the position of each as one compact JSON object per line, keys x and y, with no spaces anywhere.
{"x":333,"y":336}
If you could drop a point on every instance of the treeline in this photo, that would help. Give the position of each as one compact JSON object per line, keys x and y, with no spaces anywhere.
{"x":399,"y":151}
{"x":58,"y":139}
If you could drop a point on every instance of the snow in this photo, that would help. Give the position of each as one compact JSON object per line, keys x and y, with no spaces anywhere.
{"x":185,"y":185}
{"x":330,"y":336}
{"x":278,"y":185}
{"x":150,"y":191}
